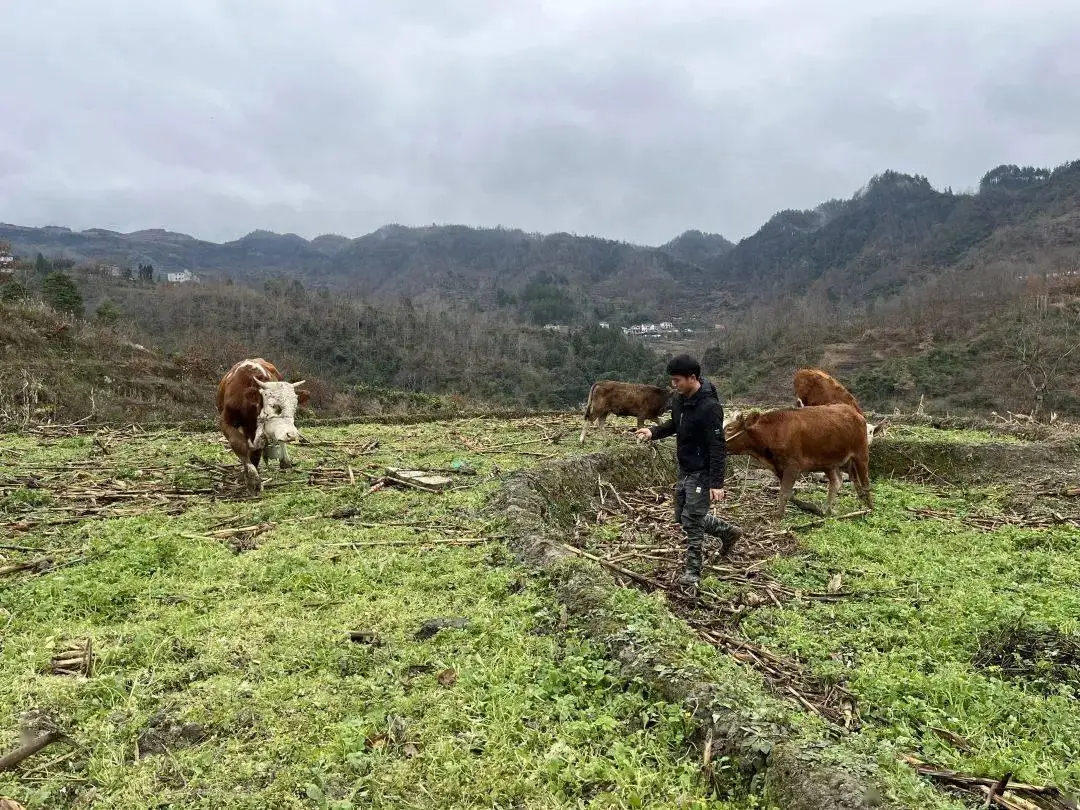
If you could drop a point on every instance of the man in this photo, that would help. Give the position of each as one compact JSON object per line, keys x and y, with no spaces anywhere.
{"x":697,"y":421}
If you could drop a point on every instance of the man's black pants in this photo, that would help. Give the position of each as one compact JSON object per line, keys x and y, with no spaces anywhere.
{"x":692,"y":512}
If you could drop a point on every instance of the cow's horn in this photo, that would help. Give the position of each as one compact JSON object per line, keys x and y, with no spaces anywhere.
{"x":298,"y":383}
{"x":260,"y":382}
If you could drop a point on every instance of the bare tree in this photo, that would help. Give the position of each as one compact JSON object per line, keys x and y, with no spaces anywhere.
{"x":1045,"y":338}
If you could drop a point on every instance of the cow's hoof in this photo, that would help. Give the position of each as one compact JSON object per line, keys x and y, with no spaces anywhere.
{"x":253,"y":479}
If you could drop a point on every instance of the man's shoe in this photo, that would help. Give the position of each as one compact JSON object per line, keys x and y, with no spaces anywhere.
{"x":730,"y":540}
{"x":689,"y":579}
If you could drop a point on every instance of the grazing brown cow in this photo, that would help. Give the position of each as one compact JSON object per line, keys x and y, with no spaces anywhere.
{"x":256,"y":412}
{"x":817,"y":438}
{"x":814,"y":387}
{"x":612,"y":397}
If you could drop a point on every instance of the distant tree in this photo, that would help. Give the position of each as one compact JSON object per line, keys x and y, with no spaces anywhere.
{"x":146,"y":272}
{"x":126,"y":273}
{"x":42,"y":265}
{"x":107,"y":313}
{"x":60,"y":292}
{"x":1012,"y":177}
{"x":1045,"y":344}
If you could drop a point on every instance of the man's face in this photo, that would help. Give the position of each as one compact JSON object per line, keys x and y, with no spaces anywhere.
{"x":684,"y":385}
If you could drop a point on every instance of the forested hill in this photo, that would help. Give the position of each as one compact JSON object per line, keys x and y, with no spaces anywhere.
{"x":570,"y":276}
{"x":904,"y":290}
{"x":897,"y":232}
{"x":900,"y":231}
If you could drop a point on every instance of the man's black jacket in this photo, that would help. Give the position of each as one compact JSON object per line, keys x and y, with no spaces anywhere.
{"x":697,"y":422}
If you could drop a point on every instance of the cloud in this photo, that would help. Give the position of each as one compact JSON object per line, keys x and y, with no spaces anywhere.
{"x":621,"y":118}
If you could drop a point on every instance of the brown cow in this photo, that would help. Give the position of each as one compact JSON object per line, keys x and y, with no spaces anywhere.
{"x":817,"y":438}
{"x":256,"y":412}
{"x":612,"y":397}
{"x":814,"y":387}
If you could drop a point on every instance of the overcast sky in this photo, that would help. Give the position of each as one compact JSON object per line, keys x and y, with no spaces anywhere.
{"x":626,"y":119}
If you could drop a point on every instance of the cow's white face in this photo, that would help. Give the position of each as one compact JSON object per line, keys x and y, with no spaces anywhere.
{"x":730,"y":416}
{"x":875,"y":430}
{"x":278,"y":414}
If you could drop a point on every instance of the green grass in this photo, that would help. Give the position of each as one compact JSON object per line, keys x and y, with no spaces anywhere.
{"x":251,"y":647}
{"x":927,"y":595}
{"x":922,"y":433}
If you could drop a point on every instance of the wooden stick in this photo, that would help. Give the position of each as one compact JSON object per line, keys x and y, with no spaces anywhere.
{"x":9,"y":761}
{"x":16,"y":567}
{"x":518,"y":444}
{"x":449,"y":541}
{"x":998,"y":789}
{"x":805,"y":506}
{"x":626,"y":572}
{"x":814,"y":523}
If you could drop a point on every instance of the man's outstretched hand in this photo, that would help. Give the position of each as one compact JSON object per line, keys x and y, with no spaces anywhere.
{"x":643,"y":434}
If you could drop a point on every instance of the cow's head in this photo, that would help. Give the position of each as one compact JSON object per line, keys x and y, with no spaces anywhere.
{"x":735,"y":435}
{"x":278,"y":412}
{"x":873,"y":431}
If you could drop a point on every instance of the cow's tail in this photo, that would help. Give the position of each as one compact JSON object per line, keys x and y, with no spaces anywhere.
{"x":588,"y":403}
{"x":588,"y":412}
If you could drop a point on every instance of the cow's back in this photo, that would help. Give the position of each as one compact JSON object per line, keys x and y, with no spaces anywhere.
{"x":628,"y":399}
{"x":237,"y":380}
{"x":815,"y":387}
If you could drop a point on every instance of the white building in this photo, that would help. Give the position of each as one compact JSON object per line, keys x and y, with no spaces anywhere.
{"x":7,"y":264}
{"x":181,"y":277}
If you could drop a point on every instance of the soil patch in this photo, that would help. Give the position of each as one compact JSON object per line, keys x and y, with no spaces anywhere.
{"x":163,"y":734}
{"x":1046,"y":659}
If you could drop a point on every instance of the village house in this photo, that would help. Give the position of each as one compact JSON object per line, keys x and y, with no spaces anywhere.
{"x":181,"y":277}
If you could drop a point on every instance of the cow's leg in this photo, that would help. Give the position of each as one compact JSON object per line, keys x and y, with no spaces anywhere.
{"x":285,"y":462}
{"x":249,"y":459}
{"x":591,"y":420}
{"x":787,"y":484}
{"x":835,"y":480}
{"x":861,"y":479}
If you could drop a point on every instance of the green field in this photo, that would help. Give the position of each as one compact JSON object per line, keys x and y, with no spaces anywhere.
{"x":226,"y":678}
{"x":224,"y":673}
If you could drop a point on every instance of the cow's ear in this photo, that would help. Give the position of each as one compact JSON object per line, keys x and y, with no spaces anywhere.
{"x":302,"y":397}
{"x":253,"y":397}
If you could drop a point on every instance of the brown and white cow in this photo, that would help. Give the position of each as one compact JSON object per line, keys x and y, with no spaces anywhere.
{"x":815,"y":387}
{"x":612,"y":397}
{"x":816,"y":438}
{"x":256,"y":413}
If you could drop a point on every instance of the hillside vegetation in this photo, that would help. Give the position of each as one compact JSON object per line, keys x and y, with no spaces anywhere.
{"x":157,"y":353}
{"x":959,"y":301}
